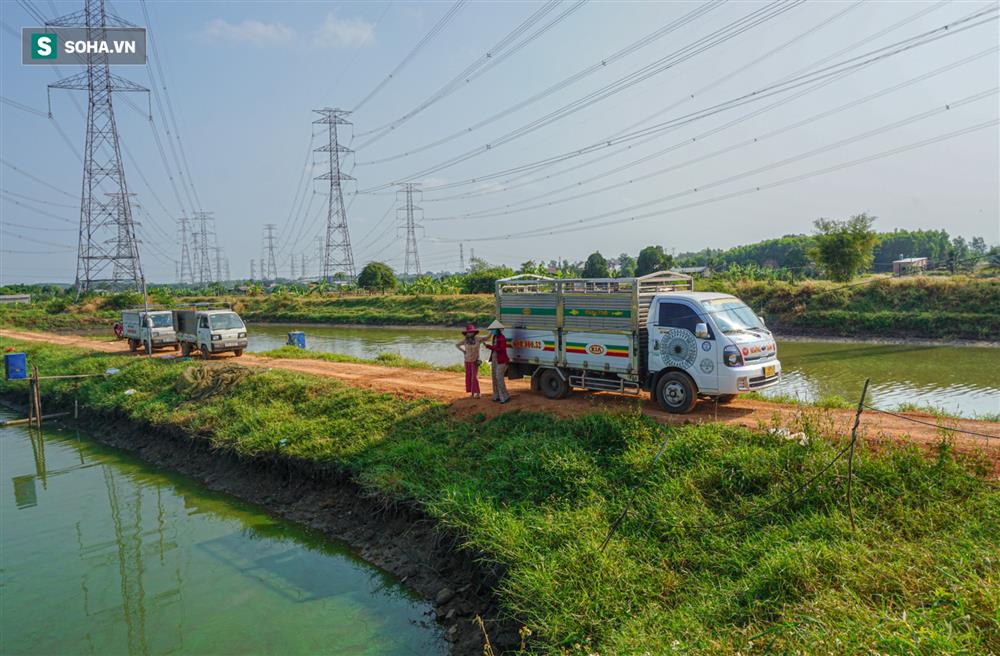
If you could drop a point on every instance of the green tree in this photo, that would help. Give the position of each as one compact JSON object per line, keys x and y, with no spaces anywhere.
{"x":652,"y":259}
{"x":483,"y":280}
{"x":845,"y":248}
{"x":626,"y":266}
{"x":596,"y":266}
{"x":377,"y":276}
{"x":978,"y":246}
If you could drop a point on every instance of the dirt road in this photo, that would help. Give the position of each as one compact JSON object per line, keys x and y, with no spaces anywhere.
{"x":449,"y":387}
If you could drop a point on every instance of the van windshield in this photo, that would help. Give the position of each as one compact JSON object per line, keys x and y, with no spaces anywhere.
{"x":732,"y":315}
{"x":162,"y":320}
{"x":225,"y":321}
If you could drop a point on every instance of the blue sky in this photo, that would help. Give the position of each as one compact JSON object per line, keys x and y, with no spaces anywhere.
{"x":243,"y":78}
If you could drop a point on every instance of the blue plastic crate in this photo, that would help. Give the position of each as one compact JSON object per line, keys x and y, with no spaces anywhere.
{"x":15,"y":366}
{"x":297,"y":338}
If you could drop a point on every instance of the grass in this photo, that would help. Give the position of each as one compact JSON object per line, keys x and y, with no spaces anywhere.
{"x":536,"y":495}
{"x":383,"y":359}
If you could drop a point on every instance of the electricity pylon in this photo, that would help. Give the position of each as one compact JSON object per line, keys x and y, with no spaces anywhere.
{"x":268,"y":266}
{"x":186,"y":272}
{"x":337,"y":253}
{"x":108,"y":252}
{"x":408,"y":213}
{"x":202,"y":241}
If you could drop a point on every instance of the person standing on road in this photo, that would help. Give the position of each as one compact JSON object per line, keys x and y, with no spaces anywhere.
{"x":498,"y":362}
{"x":470,"y":347}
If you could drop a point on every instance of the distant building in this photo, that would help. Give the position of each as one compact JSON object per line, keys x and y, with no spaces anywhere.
{"x":15,"y":298}
{"x":696,"y":272}
{"x":908,"y":265}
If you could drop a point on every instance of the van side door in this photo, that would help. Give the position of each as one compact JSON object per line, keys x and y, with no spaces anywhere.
{"x":678,"y":346}
{"x":204,"y":332}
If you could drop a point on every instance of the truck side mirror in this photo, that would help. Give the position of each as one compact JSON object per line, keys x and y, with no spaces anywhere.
{"x":701,"y":331}
{"x":761,"y":317}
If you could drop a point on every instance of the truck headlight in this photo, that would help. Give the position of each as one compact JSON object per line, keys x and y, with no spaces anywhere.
{"x":732,"y":356}
{"x":242,"y":335}
{"x":216,"y":338}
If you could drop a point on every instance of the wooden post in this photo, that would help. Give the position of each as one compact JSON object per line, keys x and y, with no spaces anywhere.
{"x":36,"y":397}
{"x":850,"y":457}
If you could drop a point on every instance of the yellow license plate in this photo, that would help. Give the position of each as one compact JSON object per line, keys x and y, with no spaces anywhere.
{"x":769,"y":371}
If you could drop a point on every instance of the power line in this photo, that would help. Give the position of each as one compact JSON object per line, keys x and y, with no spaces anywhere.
{"x":440,"y":25}
{"x":36,"y":179}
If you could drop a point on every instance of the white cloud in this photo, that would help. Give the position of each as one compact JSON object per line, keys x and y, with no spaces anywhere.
{"x":249,"y":31}
{"x":337,"y":32}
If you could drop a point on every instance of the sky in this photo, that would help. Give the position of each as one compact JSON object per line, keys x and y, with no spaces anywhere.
{"x":675,"y":123}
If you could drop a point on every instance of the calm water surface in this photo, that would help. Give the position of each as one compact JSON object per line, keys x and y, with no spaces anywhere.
{"x":103,"y":554}
{"x":959,"y":379}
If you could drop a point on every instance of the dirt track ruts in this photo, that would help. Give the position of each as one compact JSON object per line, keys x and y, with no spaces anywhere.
{"x":449,"y":387}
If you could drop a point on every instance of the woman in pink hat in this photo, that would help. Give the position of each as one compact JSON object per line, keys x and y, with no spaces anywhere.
{"x":470,"y":347}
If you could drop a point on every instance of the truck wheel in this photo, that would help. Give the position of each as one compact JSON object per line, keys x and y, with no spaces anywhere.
{"x":552,"y":384}
{"x":237,"y":352}
{"x":132,"y":346}
{"x":725,"y":398}
{"x":185,"y":349}
{"x":205,"y":353}
{"x":675,"y":392}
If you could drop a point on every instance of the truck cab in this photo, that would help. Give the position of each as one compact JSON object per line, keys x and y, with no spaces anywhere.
{"x":706,"y":343}
{"x":210,"y":331}
{"x":149,"y":329}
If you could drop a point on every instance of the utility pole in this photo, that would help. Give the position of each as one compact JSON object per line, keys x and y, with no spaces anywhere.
{"x":268,"y":267}
{"x":410,"y":224}
{"x":461,"y":257}
{"x":204,"y":259}
{"x":108,"y":252}
{"x":337,"y":253}
{"x":186,"y":270}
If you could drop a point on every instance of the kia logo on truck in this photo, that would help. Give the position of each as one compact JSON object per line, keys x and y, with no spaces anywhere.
{"x":596,"y":349}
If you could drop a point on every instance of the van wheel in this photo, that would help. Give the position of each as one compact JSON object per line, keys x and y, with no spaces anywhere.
{"x":675,"y":392}
{"x":185,"y":349}
{"x":725,"y":398}
{"x":205,"y":353}
{"x":132,"y":346}
{"x":238,"y":352}
{"x":552,"y":384}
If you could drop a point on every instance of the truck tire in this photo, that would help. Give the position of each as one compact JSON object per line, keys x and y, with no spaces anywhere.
{"x":553,"y":385}
{"x":132,"y":346}
{"x":205,"y":353}
{"x":725,"y":398}
{"x":237,"y":352}
{"x":185,"y":349}
{"x":675,"y":392}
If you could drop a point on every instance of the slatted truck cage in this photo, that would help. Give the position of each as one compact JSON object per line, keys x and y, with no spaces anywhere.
{"x":589,"y":333}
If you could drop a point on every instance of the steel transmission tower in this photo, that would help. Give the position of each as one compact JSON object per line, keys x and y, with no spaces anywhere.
{"x":202,"y":240}
{"x":268,"y":267}
{"x":411,"y":225}
{"x":337,"y":253}
{"x":302,"y":268}
{"x":186,"y":271}
{"x":108,"y":253}
{"x":253,"y":271}
{"x":461,"y":257}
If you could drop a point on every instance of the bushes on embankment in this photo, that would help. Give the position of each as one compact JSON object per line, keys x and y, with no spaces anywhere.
{"x":720,"y":552}
{"x":926,"y":307}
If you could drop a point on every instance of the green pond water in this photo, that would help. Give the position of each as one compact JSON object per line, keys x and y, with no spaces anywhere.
{"x":962,"y":380}
{"x":103,"y":554}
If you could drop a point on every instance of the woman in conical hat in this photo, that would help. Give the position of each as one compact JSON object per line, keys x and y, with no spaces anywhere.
{"x":499,"y":360}
{"x":469,"y":346}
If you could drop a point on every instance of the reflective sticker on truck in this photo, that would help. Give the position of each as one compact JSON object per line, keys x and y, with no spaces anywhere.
{"x":590,"y":312}
{"x":583,"y":348}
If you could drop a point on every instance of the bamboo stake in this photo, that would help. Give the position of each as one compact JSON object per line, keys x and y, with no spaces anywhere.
{"x":850,"y":457}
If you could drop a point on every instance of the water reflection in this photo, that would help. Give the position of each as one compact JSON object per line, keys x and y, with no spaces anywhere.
{"x":103,"y":554}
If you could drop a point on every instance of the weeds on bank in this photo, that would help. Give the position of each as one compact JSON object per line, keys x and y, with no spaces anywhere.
{"x":715,"y":554}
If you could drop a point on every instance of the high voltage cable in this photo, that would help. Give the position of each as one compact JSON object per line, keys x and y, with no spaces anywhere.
{"x":796,"y":178}
{"x":36,"y":179}
{"x":440,"y":25}
{"x":40,"y":211}
{"x":39,"y":200}
{"x":493,"y":57}
{"x":300,"y":187}
{"x":747,"y":98}
{"x":734,"y":29}
{"x":562,"y":84}
{"x":507,"y":209}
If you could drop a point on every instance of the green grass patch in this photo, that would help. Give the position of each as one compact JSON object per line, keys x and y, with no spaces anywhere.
{"x":537,"y":495}
{"x":383,"y":359}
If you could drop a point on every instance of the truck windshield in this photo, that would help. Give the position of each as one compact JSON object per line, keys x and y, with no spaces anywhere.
{"x":161,"y":320}
{"x":226,"y":321}
{"x":732,"y":315}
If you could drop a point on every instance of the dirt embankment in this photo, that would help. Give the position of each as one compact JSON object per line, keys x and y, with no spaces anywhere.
{"x":875,"y":428}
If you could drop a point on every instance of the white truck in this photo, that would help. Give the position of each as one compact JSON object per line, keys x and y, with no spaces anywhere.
{"x":210,"y":331}
{"x":651,"y":333}
{"x":149,"y":329}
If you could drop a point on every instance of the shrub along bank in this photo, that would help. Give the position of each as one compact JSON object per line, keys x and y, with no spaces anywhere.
{"x":684,"y":572}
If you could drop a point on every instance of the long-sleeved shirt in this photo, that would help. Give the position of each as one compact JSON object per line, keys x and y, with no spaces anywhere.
{"x":498,"y":349}
{"x":471,"y":350}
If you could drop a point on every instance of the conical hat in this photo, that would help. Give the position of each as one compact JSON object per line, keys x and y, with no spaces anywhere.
{"x":496,"y":325}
